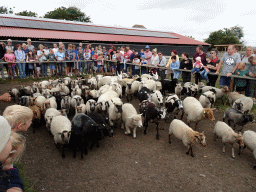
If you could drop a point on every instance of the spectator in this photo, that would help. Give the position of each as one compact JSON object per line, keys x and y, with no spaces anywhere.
{"x":80,"y":46}
{"x":105,"y":53}
{"x":10,"y":58}
{"x":92,"y":51}
{"x":114,"y":62}
{"x":6,"y":97}
{"x":25,"y":49}
{"x":122,"y":50}
{"x":186,"y":63}
{"x":51,"y":58}
{"x":148,"y":54}
{"x":31,"y":58}
{"x":94,"y":64}
{"x":11,"y":149}
{"x":9,"y":45}
{"x":42,"y":58}
{"x":241,"y":83}
{"x":81,"y":64}
{"x":110,"y":51}
{"x":212,"y":67}
{"x":127,"y":55}
{"x":169,"y":71}
{"x":143,"y":62}
{"x":88,"y":46}
{"x":2,"y":52}
{"x":132,"y":56}
{"x":162,"y":63}
{"x":230,"y":60}
{"x":197,"y":66}
{"x":55,"y":48}
{"x":141,"y":53}
{"x":199,"y":53}
{"x":154,"y":60}
{"x":136,"y":62}
{"x":113,"y":48}
{"x":70,"y":56}
{"x":87,"y":57}
{"x":96,"y":51}
{"x":204,"y":73}
{"x":46,"y":50}
{"x":29,"y":46}
{"x":76,"y":58}
{"x":175,"y":65}
{"x":60,"y":56}
{"x":252,"y":74}
{"x":20,"y":57}
{"x":100,"y":61}
{"x":119,"y":56}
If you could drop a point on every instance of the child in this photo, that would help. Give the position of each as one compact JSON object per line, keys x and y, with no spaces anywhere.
{"x":252,"y":73}
{"x":204,"y":73}
{"x":70,"y":56}
{"x":76,"y":58}
{"x":51,"y":57}
{"x":143,"y":62}
{"x":60,"y":57}
{"x":197,"y":65}
{"x":19,"y":117}
{"x":175,"y":65}
{"x":114,"y":59}
{"x":136,"y":61}
{"x":87,"y":57}
{"x":10,"y":58}
{"x":241,"y":83}
{"x":92,"y":51}
{"x":81,"y":63}
{"x":95,"y":63}
{"x":100,"y":63}
{"x":12,"y":146}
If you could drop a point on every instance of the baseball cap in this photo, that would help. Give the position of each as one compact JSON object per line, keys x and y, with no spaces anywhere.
{"x":147,"y":47}
{"x":5,"y":132}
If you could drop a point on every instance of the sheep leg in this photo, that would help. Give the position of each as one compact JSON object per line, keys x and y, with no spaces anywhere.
{"x":239,"y":152}
{"x":223,"y":150}
{"x":128,"y":131}
{"x":157,"y":129}
{"x":170,"y":138}
{"x":192,"y":154}
{"x":188,"y":149}
{"x":134,"y":132}
{"x":233,"y":152}
{"x":146,"y":126}
{"x":182,"y":114}
{"x":215,"y":137}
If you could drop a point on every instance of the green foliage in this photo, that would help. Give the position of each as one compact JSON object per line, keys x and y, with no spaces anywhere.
{"x":27,"y":13}
{"x":225,"y":36}
{"x":6,"y":10}
{"x":71,"y":14}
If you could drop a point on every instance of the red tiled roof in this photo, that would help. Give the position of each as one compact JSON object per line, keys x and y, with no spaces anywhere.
{"x":54,"y":34}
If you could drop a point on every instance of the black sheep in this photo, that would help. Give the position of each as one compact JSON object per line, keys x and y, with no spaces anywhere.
{"x":58,"y":95}
{"x":151,"y":112}
{"x":83,"y":130}
{"x":24,"y":92}
{"x":168,"y":86}
{"x":103,"y":123}
{"x":144,"y":94}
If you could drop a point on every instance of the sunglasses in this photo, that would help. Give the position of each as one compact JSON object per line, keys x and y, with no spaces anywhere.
{"x":212,"y":52}
{"x":160,"y":54}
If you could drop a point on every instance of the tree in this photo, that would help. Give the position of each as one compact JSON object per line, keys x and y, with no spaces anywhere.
{"x":71,"y":14}
{"x":6,"y":10}
{"x":27,"y":13}
{"x":225,"y":36}
{"x":139,"y":26}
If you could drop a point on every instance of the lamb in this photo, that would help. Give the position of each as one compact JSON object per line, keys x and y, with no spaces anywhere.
{"x":40,"y":101}
{"x":227,"y":134}
{"x":83,"y":130}
{"x":237,"y":117}
{"x":195,"y":111}
{"x":102,"y":123}
{"x":250,"y":142}
{"x":114,"y":110}
{"x":61,"y":131}
{"x":117,"y":88}
{"x":103,"y":101}
{"x":144,"y":94}
{"x":24,"y":101}
{"x":207,"y":99}
{"x":178,"y":90}
{"x":65,"y":103}
{"x":157,"y":99}
{"x":36,"y":120}
{"x":14,"y":93}
{"x":130,"y":119}
{"x":151,"y":113}
{"x":64,"y":88}
{"x":233,"y":96}
{"x":187,"y":135}
{"x":76,"y":91}
{"x":150,"y":84}
{"x":218,"y":92}
{"x":76,"y":101}
{"x":128,"y":91}
{"x":49,"y":116}
{"x":173,"y":104}
{"x":243,"y":104}
{"x":90,"y":106}
{"x":168,"y":86}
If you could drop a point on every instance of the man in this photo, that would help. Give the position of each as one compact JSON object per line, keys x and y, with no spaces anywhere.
{"x":231,"y":61}
{"x":199,"y":53}
{"x":2,"y":52}
{"x":132,"y":56}
{"x":9,"y":45}
{"x":29,"y":46}
{"x":162,"y":63}
{"x":148,"y":53}
{"x":80,"y":45}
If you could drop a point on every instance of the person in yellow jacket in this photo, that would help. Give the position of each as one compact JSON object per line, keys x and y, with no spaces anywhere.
{"x":169,"y":71}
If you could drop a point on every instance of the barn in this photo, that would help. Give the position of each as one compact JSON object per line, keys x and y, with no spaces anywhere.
{"x":48,"y":31}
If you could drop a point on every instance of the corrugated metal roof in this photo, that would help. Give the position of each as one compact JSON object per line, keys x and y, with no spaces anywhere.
{"x":52,"y":34}
{"x":36,"y":24}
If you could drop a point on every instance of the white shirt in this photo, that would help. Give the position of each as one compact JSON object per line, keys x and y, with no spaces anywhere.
{"x":55,"y":50}
{"x":154,"y":60}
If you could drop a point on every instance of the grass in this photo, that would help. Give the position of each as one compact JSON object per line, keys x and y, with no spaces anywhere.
{"x":27,"y":185}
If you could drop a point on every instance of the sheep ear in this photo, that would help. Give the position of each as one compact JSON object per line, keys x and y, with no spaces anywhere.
{"x":213,"y":109}
{"x":141,"y":114}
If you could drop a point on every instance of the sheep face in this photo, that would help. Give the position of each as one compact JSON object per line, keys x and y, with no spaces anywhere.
{"x":239,"y":106}
{"x":64,"y":112}
{"x":65,"y":136}
{"x":225,"y":89}
{"x":92,"y":105}
{"x":137,"y":120}
{"x":163,"y":113}
{"x":208,"y":114}
{"x":239,"y":140}
{"x":118,"y":108}
{"x":104,"y":105}
{"x":200,"y":137}
{"x":79,"y":109}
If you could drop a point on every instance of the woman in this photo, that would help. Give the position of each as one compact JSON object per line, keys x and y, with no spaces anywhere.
{"x":10,"y":58}
{"x":20,"y":57}
{"x":119,"y":57}
{"x":186,"y":63}
{"x":42,"y":58}
{"x":213,"y":67}
{"x":173,"y":53}
{"x":154,"y":60}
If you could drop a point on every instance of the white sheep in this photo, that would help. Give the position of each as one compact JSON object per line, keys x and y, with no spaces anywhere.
{"x":76,"y":91}
{"x":104,"y":81}
{"x":61,"y":130}
{"x":130,"y":119}
{"x":193,"y":108}
{"x":50,"y":103}
{"x":76,"y":101}
{"x":227,"y":134}
{"x":90,"y":106}
{"x":94,"y":94}
{"x":207,"y":99}
{"x":46,"y":93}
{"x":158,"y":85}
{"x":103,"y":101}
{"x":128,"y":91}
{"x":250,"y":141}
{"x":65,"y":102}
{"x":80,"y":108}
{"x":243,"y":104}
{"x":187,"y":135}
{"x":40,"y":101}
{"x":117,"y":88}
{"x":150,"y":84}
{"x":135,"y":87}
{"x":64,"y":88}
{"x":114,"y":110}
{"x":157,"y":98}
{"x":219,"y":92}
{"x":178,"y":90}
{"x":49,"y":116}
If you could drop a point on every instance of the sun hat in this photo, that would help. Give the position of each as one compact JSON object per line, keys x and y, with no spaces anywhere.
{"x":198,"y":59}
{"x":9,"y":40}
{"x":5,"y":132}
{"x":147,"y":47}
{"x":154,"y":50}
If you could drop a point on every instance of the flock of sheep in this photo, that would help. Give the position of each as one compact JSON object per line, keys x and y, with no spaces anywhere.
{"x":97,"y":106}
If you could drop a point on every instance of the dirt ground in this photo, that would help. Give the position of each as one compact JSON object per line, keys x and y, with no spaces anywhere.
{"x":123,"y":163}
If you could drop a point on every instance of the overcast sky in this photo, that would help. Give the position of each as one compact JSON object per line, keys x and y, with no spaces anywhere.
{"x":197,"y":18}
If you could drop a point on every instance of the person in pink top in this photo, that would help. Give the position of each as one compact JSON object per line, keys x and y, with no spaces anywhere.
{"x":148,"y":54}
{"x":10,"y":58}
{"x":127,"y":54}
{"x":197,"y":65}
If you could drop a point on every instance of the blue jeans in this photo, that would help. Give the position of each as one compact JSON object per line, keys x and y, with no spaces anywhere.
{"x":99,"y":67}
{"x":60,"y":68}
{"x":225,"y":81}
{"x":143,"y":70}
{"x":136,"y":71}
{"x":204,"y":74}
{"x":176,"y":74}
{"x":44,"y":67}
{"x":22,"y":67}
{"x":195,"y":70}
